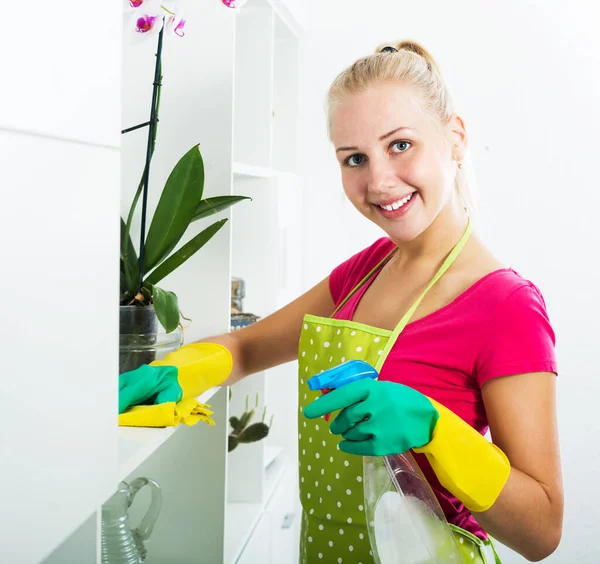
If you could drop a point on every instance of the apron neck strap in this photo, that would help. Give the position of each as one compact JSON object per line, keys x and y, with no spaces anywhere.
{"x":379,"y":265}
{"x":408,"y":315}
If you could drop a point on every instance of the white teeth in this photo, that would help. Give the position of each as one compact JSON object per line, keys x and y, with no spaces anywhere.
{"x":398,"y":204}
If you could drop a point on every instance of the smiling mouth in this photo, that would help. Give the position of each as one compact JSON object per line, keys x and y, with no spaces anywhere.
{"x":397,"y":204}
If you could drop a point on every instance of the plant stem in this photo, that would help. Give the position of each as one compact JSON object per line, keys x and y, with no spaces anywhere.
{"x":149,"y":152}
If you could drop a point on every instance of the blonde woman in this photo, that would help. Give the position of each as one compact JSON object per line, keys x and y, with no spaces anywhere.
{"x":462,"y":344}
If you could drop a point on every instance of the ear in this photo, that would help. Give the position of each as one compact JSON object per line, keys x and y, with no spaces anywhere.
{"x":456,"y":134}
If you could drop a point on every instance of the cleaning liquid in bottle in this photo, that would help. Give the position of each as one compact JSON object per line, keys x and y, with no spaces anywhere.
{"x":404,"y":519}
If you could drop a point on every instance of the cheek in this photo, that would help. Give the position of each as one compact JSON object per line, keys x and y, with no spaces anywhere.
{"x":417,"y":172}
{"x":426,"y":174}
{"x":352,"y":184}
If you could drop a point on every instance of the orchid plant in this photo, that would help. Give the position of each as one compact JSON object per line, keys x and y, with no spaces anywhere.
{"x":181,"y":202}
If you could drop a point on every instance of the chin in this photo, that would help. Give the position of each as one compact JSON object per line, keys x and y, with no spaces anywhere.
{"x":406,"y":234}
{"x":406,"y":230}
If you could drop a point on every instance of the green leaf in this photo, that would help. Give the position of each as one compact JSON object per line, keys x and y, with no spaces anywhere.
{"x":166,"y":307}
{"x":178,"y":258}
{"x":129,"y":261}
{"x":232,"y":442}
{"x":176,"y":208}
{"x":214,"y":205}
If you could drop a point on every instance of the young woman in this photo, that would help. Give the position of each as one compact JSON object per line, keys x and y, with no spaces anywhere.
{"x":462,"y":344}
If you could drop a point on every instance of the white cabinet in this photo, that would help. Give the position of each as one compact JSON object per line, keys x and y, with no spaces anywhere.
{"x":284,"y":512}
{"x":275,"y":537}
{"x":232,"y":86}
{"x":257,"y":549}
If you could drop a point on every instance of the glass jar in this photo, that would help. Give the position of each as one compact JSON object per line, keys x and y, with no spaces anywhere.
{"x":142,"y":338}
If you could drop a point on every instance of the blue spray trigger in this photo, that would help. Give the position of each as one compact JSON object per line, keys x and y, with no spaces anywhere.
{"x":342,"y":374}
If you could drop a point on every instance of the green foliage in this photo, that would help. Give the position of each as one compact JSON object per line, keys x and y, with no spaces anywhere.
{"x":180,"y":205}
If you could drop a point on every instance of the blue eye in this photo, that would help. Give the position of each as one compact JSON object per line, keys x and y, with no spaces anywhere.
{"x":401,"y":145}
{"x":354,"y":160}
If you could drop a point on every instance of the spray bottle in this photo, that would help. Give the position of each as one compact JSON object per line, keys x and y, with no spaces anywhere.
{"x":404,"y":519}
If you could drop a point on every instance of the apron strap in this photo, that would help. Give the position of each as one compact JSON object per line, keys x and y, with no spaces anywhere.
{"x":408,"y":315}
{"x":380,"y":264}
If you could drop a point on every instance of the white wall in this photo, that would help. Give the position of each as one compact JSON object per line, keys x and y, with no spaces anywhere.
{"x":525,"y":76}
{"x":59,"y":197}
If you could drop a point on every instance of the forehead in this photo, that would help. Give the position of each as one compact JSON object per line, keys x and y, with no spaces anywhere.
{"x":381,"y":108}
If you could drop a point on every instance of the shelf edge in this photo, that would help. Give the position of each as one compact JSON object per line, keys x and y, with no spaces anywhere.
{"x":136,"y":444}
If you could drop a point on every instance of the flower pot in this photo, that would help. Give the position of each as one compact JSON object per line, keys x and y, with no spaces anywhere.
{"x":142,"y":339}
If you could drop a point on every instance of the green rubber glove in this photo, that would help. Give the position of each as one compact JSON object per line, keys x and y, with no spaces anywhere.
{"x":149,"y":385}
{"x":377,"y":418}
{"x":187,"y":372}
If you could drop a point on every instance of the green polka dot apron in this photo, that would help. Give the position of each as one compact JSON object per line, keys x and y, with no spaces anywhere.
{"x":333,"y":528}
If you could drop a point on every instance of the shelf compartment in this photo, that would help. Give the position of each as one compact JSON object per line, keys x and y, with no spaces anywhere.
{"x":253,"y":87}
{"x":254,"y":244}
{"x":285,"y":100}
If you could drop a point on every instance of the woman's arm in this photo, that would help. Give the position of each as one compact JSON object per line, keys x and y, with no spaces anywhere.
{"x":528,"y":514}
{"x":274,"y":339}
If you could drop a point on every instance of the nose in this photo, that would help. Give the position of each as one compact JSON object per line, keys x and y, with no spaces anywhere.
{"x":382,"y":175}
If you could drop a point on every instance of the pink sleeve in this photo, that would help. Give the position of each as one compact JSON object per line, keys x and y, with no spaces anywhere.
{"x":518,"y":338}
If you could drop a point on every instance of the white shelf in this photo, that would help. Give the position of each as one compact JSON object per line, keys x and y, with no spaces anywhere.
{"x":271,"y":453}
{"x":244,"y":170}
{"x":273,"y":475}
{"x":136,"y":444}
{"x":241,"y":170}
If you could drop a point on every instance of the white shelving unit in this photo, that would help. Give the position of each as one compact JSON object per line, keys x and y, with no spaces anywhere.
{"x":265,"y":168}
{"x":219,"y":506}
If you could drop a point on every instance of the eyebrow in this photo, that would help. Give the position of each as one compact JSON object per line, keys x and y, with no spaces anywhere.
{"x":383,"y":137}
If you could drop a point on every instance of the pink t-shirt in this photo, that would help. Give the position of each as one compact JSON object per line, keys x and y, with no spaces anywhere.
{"x":497,"y":327}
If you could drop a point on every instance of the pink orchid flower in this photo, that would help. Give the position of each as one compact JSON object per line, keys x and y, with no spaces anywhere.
{"x":234,"y":3}
{"x":175,"y":21}
{"x":147,"y":17}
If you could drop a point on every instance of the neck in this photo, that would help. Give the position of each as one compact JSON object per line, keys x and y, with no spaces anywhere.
{"x":438,"y":239}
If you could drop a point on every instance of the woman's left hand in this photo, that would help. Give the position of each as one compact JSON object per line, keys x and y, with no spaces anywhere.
{"x":378,"y":417}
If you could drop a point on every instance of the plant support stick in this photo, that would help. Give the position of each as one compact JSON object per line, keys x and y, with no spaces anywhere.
{"x":149,"y":151}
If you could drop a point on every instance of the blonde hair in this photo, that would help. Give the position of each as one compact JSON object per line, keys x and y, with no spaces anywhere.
{"x":412,"y":64}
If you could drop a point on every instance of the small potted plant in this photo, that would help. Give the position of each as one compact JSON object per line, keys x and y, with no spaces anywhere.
{"x":243,"y":431}
{"x":143,"y":303}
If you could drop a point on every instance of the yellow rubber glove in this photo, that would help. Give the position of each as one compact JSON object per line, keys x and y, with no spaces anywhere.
{"x":156,"y":395}
{"x":200,"y":367}
{"x":466,"y":463}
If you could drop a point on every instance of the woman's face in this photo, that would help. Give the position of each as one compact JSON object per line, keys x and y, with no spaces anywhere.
{"x":398,"y":162}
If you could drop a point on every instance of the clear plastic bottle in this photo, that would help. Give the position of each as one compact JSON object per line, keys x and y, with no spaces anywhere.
{"x":404,"y":519}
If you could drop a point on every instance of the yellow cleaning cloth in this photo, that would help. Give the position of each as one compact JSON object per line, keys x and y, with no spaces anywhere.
{"x":169,"y":414}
